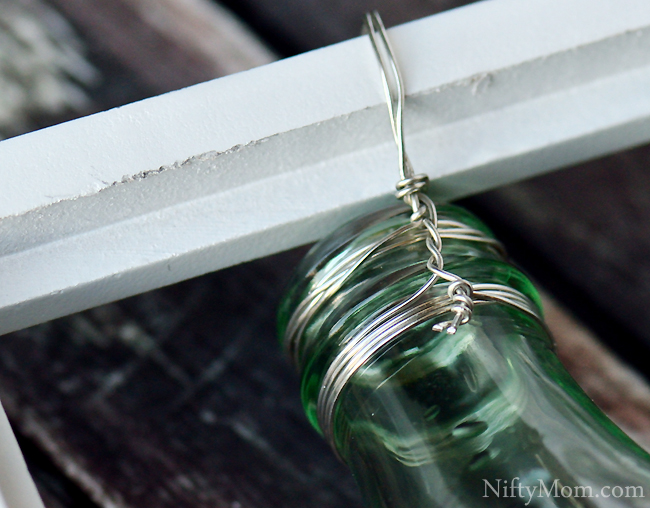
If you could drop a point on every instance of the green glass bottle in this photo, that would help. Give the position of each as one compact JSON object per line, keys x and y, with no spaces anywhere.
{"x":484,"y":417}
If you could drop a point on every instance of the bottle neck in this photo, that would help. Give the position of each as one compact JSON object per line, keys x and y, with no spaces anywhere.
{"x":453,"y":420}
{"x":433,"y":419}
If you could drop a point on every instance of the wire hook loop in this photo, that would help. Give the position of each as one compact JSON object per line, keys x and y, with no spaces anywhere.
{"x":393,"y":86}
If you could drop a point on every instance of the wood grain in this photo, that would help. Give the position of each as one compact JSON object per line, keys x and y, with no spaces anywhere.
{"x":167,"y":44}
{"x":616,"y":388}
{"x":180,"y":397}
{"x":295,"y":26}
{"x":585,"y":232}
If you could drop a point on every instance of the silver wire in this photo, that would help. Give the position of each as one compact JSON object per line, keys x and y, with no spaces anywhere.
{"x":361,"y":347}
{"x":393,"y":87}
{"x":461,"y":296}
{"x":411,"y":186}
{"x":334,"y":275}
{"x":370,"y":339}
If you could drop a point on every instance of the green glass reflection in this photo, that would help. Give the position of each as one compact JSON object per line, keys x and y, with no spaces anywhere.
{"x":483,"y":418}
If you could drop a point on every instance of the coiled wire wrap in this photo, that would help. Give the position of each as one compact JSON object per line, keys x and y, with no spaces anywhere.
{"x":364,"y":344}
{"x":461,"y":295}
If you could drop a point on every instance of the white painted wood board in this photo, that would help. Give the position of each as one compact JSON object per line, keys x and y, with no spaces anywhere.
{"x":175,"y":186}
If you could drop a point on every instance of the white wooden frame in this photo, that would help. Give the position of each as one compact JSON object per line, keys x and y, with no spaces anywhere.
{"x":179,"y":185}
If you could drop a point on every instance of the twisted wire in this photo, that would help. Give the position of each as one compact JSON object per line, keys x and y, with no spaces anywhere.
{"x":424,"y":215}
{"x":461,"y":295}
{"x":411,"y":187}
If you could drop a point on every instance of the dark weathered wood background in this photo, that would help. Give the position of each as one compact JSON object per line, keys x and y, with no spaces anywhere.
{"x":181,"y":397}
